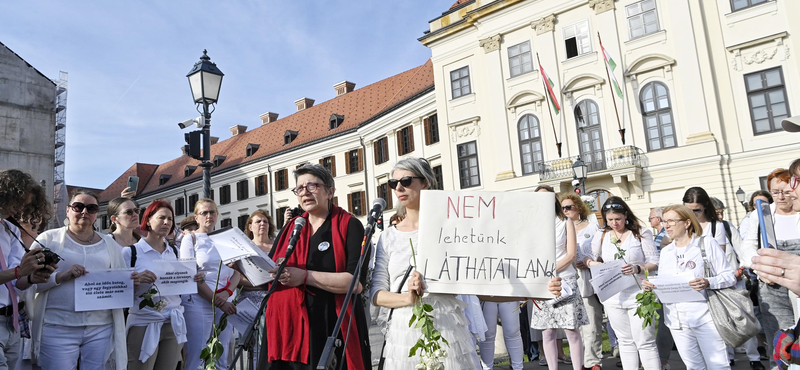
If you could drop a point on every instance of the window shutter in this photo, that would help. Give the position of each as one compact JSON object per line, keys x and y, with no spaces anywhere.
{"x":322,"y":162}
{"x":375,"y":150}
{"x":350,"y":202}
{"x":361,"y":159}
{"x":333,"y":166}
{"x":363,"y":197}
{"x":389,"y":197}
{"x":336,"y":201}
{"x":347,"y":168}
{"x":276,"y":181}
{"x":386,"y":149}
{"x":399,"y":138}
{"x":411,"y":138}
{"x":426,"y":124}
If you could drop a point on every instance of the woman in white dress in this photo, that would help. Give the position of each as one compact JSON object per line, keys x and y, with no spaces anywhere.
{"x":575,"y":209}
{"x":197,"y":307}
{"x":568,"y":314}
{"x":393,"y":255}
{"x":624,"y":238}
{"x":690,"y":323}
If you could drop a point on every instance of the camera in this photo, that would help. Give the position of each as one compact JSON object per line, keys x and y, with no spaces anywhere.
{"x":50,"y":257}
{"x":297,"y":211}
{"x":576,"y":182}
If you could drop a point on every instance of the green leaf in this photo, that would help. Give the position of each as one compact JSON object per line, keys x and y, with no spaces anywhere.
{"x":142,"y":305}
{"x":427,"y":308}
{"x":413,"y":318}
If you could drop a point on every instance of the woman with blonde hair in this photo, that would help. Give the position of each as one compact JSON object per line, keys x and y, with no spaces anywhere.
{"x":577,"y":211}
{"x":260,"y":229}
{"x":691,"y":324}
{"x":197,"y":307}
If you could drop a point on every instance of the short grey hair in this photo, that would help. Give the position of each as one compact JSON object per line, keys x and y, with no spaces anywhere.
{"x":659,"y":211}
{"x":717,"y":203}
{"x":316,"y":170}
{"x":419,"y":167}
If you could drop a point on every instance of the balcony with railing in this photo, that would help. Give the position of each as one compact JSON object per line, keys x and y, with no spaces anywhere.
{"x":613,"y":159}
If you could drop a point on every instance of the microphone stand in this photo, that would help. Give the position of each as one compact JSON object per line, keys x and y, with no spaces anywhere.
{"x":327,"y":360}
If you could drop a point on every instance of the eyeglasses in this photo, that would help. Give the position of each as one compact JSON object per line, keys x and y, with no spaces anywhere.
{"x":207,"y":213}
{"x":698,"y":211}
{"x":794,"y":182}
{"x":311,"y":187}
{"x":568,"y":207}
{"x":613,"y":206}
{"x":671,"y":222}
{"x":405,"y":181}
{"x":79,"y":207}
{"x":786,"y":194}
{"x":130,"y":212}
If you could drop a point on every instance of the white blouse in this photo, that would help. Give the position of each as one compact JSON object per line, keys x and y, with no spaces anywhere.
{"x":585,"y":237}
{"x":693,"y":314}
{"x":207,"y":260}
{"x":392,"y":258}
{"x":637,"y":251}
{"x":561,"y":247}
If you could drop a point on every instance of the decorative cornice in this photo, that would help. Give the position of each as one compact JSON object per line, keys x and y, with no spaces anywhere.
{"x":491,"y":44}
{"x":601,"y":6}
{"x":544,"y":24}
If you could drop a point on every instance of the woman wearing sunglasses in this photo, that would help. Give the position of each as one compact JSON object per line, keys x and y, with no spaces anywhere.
{"x":624,"y":238}
{"x":198,"y":309}
{"x":303,"y":310}
{"x":700,"y":203}
{"x":124,"y":220}
{"x":690,"y":323}
{"x":392,"y":260}
{"x":61,"y":335}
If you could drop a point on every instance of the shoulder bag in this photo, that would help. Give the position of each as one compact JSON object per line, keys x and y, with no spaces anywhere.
{"x":731,"y":309}
{"x":389,"y":319}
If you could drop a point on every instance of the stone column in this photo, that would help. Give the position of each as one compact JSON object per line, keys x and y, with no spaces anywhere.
{"x":495,"y":106}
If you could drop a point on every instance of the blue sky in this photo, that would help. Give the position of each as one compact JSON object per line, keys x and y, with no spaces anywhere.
{"x":127,"y":63}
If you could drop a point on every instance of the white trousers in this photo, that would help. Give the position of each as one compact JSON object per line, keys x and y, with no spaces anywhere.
{"x":750,"y":348}
{"x":197,"y":312}
{"x":634,"y":342}
{"x":513,"y":339}
{"x":701,"y":347}
{"x":592,"y":334}
{"x":61,"y":346}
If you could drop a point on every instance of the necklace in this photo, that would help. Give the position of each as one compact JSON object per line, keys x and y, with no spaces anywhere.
{"x":81,"y":240}
{"x":580,"y":222}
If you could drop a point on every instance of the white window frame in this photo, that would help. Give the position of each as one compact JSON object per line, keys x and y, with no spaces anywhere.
{"x":521,"y":57}
{"x":588,"y":37}
{"x":461,"y":86}
{"x":640,"y":15}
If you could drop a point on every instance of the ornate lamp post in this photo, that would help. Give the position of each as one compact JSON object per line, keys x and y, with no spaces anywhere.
{"x":579,"y":170}
{"x":205,"y":80}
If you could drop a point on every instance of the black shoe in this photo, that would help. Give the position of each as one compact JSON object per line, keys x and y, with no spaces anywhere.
{"x":763,"y":353}
{"x":756,"y":365}
{"x":733,"y":362}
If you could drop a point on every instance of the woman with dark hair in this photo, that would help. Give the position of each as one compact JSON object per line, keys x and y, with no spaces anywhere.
{"x":124,"y":215}
{"x":700,"y":203}
{"x":745,"y":226}
{"x":624,"y":238}
{"x":302,"y":311}
{"x":155,"y":334}
{"x":260,"y":229}
{"x":61,"y":335}
{"x":569,"y":314}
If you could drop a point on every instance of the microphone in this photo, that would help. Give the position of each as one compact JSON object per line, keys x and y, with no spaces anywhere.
{"x":377,"y":208}
{"x":299,"y":223}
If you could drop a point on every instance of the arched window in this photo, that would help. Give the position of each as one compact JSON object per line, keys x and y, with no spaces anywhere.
{"x":590,"y":135}
{"x":530,"y":144}
{"x":657,"y":114}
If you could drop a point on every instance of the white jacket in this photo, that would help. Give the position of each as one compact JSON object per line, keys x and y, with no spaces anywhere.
{"x":749,"y":246}
{"x":693,"y":314}
{"x":55,"y":239}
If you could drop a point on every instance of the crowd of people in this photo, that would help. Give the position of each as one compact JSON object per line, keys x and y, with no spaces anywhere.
{"x":689,"y":238}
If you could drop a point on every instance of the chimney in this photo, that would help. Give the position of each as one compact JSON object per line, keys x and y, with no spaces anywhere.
{"x":268,"y":117}
{"x":304,"y":103}
{"x":213,"y":140}
{"x":238,"y":129}
{"x":344,"y":87}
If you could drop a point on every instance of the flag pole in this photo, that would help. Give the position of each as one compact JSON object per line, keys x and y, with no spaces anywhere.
{"x":608,"y":76}
{"x":546,"y":98}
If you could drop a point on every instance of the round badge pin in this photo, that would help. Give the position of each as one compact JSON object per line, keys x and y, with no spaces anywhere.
{"x":690,"y":265}
{"x":323,"y":246}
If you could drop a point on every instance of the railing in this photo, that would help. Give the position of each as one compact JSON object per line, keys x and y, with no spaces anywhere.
{"x":625,"y":156}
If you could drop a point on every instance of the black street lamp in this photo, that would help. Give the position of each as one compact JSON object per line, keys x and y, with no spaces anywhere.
{"x":205,"y":80}
{"x":579,"y":170}
{"x":740,"y":197}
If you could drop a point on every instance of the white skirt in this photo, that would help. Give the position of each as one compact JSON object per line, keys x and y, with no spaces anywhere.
{"x":448,"y":319}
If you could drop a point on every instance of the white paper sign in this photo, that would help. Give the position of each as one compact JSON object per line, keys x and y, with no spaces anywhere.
{"x":246,"y":312}
{"x":614,"y":266}
{"x":104,"y":289}
{"x":611,"y":282}
{"x":672,"y":289}
{"x":487,"y":243}
{"x":256,"y":267}
{"x":232,"y":244}
{"x":175,"y":277}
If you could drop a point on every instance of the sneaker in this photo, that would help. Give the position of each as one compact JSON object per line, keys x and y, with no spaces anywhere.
{"x":542,"y":361}
{"x":763,"y":352}
{"x":619,"y":364}
{"x":756,"y":365}
{"x":665,"y":367}
{"x":565,"y":360}
{"x":615,"y":352}
{"x":733,"y":362}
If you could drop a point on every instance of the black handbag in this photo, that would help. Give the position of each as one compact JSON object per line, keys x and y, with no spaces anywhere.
{"x":389,"y":318}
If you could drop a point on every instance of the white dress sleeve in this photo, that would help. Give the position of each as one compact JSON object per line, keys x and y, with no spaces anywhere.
{"x":724,"y":276}
{"x":380,"y":274}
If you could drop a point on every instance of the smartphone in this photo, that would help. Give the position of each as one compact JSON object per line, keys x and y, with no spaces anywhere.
{"x":766,"y":224}
{"x":133,"y":183}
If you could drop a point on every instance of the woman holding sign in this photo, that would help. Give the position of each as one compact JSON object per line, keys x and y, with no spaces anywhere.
{"x":157,"y":331}
{"x":60,"y":334}
{"x":396,"y":286}
{"x":690,"y":323}
{"x":624,"y":239}
{"x":198,"y":311}
{"x":302,"y":311}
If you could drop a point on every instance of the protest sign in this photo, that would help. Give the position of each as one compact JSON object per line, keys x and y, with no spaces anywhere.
{"x":610,"y":280}
{"x":104,"y":289}
{"x":256,"y":267}
{"x":487,"y":243}
{"x":246,"y":312}
{"x":232,"y":244}
{"x":673,"y":289}
{"x":175,"y":277}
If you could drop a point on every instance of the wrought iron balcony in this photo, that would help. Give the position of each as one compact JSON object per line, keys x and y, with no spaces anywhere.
{"x":625,"y":156}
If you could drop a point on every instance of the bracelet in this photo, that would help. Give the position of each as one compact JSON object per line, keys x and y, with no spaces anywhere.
{"x":639,"y":269}
{"x":16,"y":272}
{"x":29,"y":280}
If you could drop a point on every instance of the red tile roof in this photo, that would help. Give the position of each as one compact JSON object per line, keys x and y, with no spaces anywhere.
{"x":312,"y":124}
{"x":143,"y":170}
{"x":459,"y":3}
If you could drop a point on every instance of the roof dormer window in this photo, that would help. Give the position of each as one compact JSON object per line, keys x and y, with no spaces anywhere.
{"x":289,"y":136}
{"x":218,"y":159}
{"x":335,"y":121}
{"x":163,"y":179}
{"x":188,"y":170}
{"x":251,"y":149}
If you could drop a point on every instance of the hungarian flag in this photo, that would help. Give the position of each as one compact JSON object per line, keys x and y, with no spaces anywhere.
{"x":610,"y":65}
{"x":550,"y":93}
